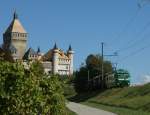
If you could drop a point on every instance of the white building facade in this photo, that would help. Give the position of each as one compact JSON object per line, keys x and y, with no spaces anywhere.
{"x":57,"y":62}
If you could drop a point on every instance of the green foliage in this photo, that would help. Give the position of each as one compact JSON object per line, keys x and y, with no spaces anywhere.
{"x":37,"y":68}
{"x":68,"y":85}
{"x":25,"y":92}
{"x":5,"y":55}
{"x":81,"y":80}
{"x":93,"y":69}
{"x":53,"y":95}
{"x":94,"y":63}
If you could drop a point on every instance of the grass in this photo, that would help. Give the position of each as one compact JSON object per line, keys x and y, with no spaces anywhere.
{"x":70,"y":112}
{"x":123,"y":101}
{"x":117,"y":110}
{"x":136,"y":98}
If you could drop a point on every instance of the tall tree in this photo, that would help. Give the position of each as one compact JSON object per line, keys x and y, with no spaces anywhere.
{"x":5,"y":55}
{"x":94,"y":64}
{"x":89,"y":71}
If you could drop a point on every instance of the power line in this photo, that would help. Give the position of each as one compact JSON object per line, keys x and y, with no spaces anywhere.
{"x":133,"y":40}
{"x":128,"y":24}
{"x":140,"y":4}
{"x":134,"y":53}
{"x":138,"y":41}
{"x":131,"y":43}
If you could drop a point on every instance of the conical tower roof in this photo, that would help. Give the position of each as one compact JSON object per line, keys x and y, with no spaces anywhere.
{"x":70,"y":48}
{"x":55,"y":46}
{"x":15,"y":26}
{"x":29,"y":52}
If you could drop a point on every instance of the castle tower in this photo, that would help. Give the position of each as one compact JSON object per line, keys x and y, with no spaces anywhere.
{"x":55,"y":59}
{"x":15,"y":36}
{"x":70,"y":53}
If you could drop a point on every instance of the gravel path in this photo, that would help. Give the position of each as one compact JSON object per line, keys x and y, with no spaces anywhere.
{"x":86,"y":110}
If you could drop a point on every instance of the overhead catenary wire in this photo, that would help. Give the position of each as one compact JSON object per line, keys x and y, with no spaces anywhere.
{"x":142,"y":3}
{"x":134,"y":42}
{"x":128,"y":24}
{"x":134,"y":53}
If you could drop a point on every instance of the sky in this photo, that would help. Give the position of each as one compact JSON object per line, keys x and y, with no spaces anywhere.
{"x":123,"y":26}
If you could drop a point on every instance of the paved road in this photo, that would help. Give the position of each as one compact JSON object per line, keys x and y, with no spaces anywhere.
{"x":86,"y":110}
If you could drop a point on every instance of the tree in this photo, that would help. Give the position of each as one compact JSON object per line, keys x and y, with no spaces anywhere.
{"x":81,"y":80}
{"x":37,"y":68}
{"x":94,"y":64}
{"x":92,"y":68}
{"x":5,"y":55}
{"x":22,"y":92}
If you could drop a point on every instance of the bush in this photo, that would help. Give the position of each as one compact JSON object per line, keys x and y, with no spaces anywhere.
{"x":22,"y":92}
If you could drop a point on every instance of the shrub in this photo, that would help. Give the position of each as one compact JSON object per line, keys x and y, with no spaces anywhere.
{"x":22,"y":92}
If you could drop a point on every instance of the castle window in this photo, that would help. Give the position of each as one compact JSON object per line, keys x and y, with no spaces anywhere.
{"x":66,"y":67}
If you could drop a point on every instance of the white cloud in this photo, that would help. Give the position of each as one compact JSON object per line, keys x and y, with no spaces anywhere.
{"x":145,"y":79}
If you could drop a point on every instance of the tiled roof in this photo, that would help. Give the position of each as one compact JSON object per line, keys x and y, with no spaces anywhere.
{"x":15,"y":26}
{"x":29,"y":52}
{"x":48,"y":56}
{"x":62,"y":55}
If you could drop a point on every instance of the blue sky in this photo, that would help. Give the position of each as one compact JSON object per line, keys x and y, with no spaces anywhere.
{"x":85,"y":24}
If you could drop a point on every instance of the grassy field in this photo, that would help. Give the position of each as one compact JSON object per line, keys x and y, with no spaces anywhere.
{"x":123,"y":101}
{"x":117,"y":110}
{"x":71,"y":112}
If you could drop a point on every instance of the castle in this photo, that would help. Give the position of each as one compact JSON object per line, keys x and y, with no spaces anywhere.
{"x":55,"y":61}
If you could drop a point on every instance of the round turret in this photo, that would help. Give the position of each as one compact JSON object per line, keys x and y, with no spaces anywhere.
{"x":55,"y":59}
{"x":70,"y":53}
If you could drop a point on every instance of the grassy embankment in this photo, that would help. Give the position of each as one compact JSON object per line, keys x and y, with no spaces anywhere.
{"x":123,"y":101}
{"x":71,"y":112}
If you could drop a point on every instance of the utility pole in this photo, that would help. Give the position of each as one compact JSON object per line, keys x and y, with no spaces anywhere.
{"x":88,"y":78}
{"x":102,"y":75}
{"x":88,"y":75}
{"x":102,"y":65}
